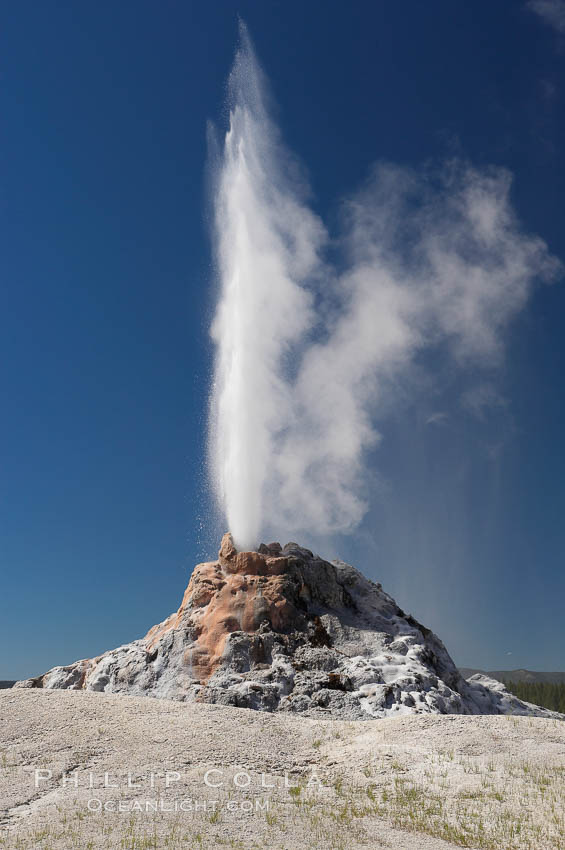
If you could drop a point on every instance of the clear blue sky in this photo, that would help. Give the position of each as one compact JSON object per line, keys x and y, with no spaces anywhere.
{"x":107,"y":297}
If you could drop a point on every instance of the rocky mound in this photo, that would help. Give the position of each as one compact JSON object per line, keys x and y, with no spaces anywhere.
{"x":280,"y":629}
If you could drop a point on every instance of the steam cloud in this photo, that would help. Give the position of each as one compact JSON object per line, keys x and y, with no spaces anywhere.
{"x":308,"y":356}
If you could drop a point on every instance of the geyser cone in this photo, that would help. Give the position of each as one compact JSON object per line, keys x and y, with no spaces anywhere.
{"x":281,"y":629}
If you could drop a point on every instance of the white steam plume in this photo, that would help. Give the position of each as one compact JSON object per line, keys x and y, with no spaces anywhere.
{"x":305,"y":370}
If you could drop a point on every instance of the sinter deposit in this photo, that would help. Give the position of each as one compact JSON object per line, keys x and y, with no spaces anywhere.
{"x":281,"y":629}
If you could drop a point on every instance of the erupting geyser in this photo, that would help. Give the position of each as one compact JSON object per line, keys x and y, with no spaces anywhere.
{"x":309,"y":357}
{"x":266,"y":244}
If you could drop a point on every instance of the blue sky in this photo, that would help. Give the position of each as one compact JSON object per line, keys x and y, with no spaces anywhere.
{"x":108,"y":294}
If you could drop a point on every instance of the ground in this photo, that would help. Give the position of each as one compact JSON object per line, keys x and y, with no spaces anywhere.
{"x":246,"y":779}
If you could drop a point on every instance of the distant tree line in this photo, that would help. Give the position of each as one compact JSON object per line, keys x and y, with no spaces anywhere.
{"x":547,"y":694}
